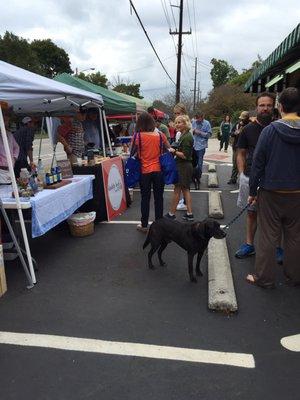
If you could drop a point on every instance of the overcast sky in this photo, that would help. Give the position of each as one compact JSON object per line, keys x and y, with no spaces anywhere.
{"x":104,"y":34}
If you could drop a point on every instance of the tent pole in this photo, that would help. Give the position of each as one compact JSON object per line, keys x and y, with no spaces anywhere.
{"x":16,"y":193}
{"x":17,"y":246}
{"x":107,"y":133}
{"x":102,"y":133}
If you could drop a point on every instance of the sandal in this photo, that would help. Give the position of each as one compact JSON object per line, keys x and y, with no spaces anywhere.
{"x":253,"y":280}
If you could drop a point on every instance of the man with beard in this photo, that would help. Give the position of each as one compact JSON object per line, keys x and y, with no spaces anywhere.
{"x":276,"y":172}
{"x":248,"y":139}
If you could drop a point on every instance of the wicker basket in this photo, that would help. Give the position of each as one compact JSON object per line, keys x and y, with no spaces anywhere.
{"x":83,"y":230}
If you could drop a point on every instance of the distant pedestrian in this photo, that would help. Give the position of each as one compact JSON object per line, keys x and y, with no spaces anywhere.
{"x":225,"y":129}
{"x":235,"y":134}
{"x":183,"y":154}
{"x":276,"y":172}
{"x":201,"y":132}
{"x":24,"y":136}
{"x":148,"y":149}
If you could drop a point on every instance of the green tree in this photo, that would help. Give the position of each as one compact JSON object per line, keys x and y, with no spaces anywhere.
{"x":96,"y":78}
{"x":17,"y":51}
{"x":222,"y":72}
{"x":227,"y":99}
{"x":53,"y":59}
{"x":242,"y":78}
{"x":133,"y":89}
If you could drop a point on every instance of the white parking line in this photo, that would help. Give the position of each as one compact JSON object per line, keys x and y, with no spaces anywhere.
{"x":291,"y":343}
{"x":128,"y":349}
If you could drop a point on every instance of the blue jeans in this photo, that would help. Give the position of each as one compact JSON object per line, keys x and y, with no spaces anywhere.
{"x":155,"y":180}
{"x":200,"y":155}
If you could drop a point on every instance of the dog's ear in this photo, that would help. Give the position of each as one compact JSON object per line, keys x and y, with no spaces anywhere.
{"x":198,"y":230}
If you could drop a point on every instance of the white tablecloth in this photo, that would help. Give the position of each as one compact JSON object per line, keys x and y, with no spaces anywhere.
{"x":50,"y":207}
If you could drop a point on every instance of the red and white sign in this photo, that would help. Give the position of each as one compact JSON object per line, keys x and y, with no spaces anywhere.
{"x":114,"y":188}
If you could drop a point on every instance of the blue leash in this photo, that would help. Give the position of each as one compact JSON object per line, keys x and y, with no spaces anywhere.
{"x":236,"y":217}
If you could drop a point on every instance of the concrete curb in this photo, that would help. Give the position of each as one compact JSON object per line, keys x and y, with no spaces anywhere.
{"x":213,"y":180}
{"x":221,"y":293}
{"x":215,"y":209}
{"x":212,"y":167}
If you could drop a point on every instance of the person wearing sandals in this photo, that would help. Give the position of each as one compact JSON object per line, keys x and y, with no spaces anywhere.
{"x":183,"y":155}
{"x":148,"y":148}
{"x":275,"y":186}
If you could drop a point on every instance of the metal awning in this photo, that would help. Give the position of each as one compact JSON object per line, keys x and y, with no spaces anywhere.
{"x":280,"y":56}
{"x":293,"y":68}
{"x":272,"y":82}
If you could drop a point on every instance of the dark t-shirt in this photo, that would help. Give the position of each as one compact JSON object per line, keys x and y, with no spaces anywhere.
{"x":248,"y":140}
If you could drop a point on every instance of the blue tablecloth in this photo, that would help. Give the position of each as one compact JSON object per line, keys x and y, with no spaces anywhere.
{"x":50,"y":207}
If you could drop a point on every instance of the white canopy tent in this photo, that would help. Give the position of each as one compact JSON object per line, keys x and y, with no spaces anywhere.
{"x":30,"y":93}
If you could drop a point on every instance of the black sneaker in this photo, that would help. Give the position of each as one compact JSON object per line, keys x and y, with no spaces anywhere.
{"x":169,"y":216}
{"x":188,"y":217}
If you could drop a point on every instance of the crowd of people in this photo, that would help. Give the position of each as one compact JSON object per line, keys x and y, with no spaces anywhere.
{"x":266,"y":165}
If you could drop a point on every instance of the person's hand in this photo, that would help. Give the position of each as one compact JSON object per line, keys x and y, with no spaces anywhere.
{"x":252,"y":200}
{"x":171,"y":150}
{"x":32,"y":165}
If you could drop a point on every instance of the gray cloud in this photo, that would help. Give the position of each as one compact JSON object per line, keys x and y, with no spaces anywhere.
{"x":103,"y":34}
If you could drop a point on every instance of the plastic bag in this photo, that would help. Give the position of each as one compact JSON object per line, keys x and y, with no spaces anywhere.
{"x":81,"y":219}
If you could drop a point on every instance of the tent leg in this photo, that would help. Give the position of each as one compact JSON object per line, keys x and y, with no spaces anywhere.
{"x":102,"y":133}
{"x":107,"y":133}
{"x":16,"y":193}
{"x":16,"y":243}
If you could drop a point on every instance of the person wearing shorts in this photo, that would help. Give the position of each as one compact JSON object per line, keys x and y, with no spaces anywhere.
{"x":245,"y":149}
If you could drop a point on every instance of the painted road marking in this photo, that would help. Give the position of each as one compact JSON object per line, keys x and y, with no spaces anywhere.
{"x":128,"y":349}
{"x":291,"y":343}
{"x":235,"y":191}
{"x":172,"y":190}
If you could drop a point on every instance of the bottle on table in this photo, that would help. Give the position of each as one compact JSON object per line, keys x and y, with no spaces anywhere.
{"x":40,"y":175}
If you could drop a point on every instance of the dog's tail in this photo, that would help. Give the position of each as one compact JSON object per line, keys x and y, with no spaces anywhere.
{"x":147,"y":241}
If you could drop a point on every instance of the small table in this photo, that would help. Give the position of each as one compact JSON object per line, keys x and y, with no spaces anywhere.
{"x":51,"y":207}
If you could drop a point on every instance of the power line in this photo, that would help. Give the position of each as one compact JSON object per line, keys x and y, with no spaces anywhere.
{"x":130,"y":1}
{"x":146,"y":66}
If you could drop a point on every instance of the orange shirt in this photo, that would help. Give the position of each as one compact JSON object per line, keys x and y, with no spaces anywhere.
{"x":150,"y":151}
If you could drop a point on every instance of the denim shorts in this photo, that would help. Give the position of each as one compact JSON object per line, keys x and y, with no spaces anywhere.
{"x":244,"y":193}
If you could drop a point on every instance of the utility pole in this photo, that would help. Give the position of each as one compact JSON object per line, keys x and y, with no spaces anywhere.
{"x":199,"y":92}
{"x":179,"y":33}
{"x":195,"y":82}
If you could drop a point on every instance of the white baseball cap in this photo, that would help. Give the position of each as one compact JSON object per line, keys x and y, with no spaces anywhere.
{"x":25,"y":120}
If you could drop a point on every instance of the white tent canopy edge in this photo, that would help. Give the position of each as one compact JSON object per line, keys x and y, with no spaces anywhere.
{"x":31,"y":93}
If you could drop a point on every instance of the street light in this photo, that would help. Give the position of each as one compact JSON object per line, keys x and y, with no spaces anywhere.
{"x":87,"y":69}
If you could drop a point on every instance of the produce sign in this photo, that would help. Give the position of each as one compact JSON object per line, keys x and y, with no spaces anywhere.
{"x":114,"y":188}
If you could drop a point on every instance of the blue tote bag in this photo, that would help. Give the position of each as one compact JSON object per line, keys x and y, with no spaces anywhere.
{"x":168,"y":166}
{"x":133,"y":164}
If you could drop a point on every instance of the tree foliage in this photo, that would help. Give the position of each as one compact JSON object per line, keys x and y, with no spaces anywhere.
{"x":227,"y":99}
{"x":17,"y":51}
{"x":222,"y":72}
{"x":96,"y":78}
{"x":133,"y":89}
{"x":41,"y":56}
{"x":53,"y":60}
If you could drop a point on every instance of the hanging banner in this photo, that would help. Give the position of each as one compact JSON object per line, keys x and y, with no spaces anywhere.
{"x":114,"y":188}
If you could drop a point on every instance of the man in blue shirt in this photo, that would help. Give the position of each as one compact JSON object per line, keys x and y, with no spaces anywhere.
{"x":201,"y":132}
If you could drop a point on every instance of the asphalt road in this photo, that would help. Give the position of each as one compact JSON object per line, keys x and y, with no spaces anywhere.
{"x":99,"y":287}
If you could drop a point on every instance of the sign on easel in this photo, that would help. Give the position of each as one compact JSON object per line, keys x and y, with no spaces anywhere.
{"x":114,"y":188}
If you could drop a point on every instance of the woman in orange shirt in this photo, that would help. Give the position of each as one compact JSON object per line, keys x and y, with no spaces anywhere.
{"x":148,"y":150}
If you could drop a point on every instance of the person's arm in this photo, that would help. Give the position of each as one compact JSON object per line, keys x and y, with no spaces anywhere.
{"x":241,"y":160}
{"x":186,"y":151}
{"x":205,"y":132}
{"x":258,"y":166}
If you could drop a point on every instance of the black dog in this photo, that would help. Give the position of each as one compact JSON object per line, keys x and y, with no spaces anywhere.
{"x":196,"y":178}
{"x":193,"y":238}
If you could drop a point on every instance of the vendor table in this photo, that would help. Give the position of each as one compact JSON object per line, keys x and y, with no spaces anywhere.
{"x":97,"y":203}
{"x":50,"y":207}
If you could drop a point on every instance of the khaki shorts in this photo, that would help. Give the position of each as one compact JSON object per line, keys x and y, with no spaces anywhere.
{"x":244,"y":193}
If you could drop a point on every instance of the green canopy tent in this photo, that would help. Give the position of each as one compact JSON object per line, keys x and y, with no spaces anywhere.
{"x":114,"y":103}
{"x":141,"y":104}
